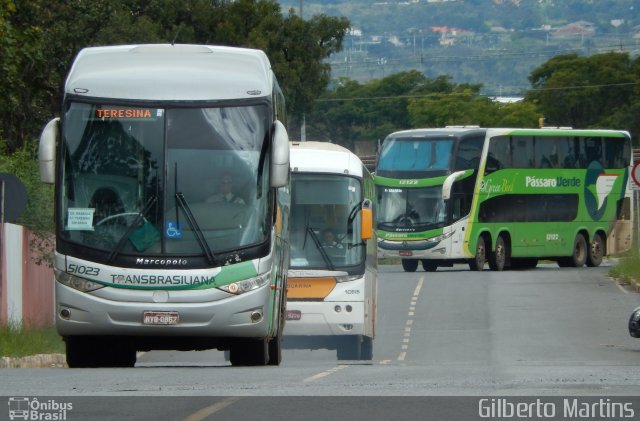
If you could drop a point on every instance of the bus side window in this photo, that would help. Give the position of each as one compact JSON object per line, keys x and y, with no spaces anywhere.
{"x":522,"y":153}
{"x":499,"y":155}
{"x":592,"y":150}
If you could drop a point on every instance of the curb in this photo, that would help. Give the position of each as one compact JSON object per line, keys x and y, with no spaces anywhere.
{"x":34,"y":361}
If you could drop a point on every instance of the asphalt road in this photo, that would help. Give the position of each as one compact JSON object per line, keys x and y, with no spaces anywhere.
{"x":546,"y":333}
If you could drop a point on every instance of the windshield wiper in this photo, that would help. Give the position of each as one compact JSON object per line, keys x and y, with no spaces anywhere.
{"x":182,"y":202}
{"x":323,"y":252}
{"x":136,"y":223}
{"x":195,"y":228}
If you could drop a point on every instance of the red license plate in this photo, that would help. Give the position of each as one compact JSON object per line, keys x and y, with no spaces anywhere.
{"x":405,"y":253}
{"x":294,"y":315}
{"x":160,"y":318}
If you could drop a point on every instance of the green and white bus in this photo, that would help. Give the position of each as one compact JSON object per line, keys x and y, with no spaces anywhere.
{"x":332,"y":286}
{"x":144,"y":259}
{"x":507,"y":196}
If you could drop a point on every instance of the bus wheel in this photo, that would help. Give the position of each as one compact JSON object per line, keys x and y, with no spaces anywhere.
{"x":478,"y":261}
{"x":245,"y":352}
{"x":579,"y":256}
{"x":596,"y":251}
{"x":429,"y":265}
{"x":275,"y":350}
{"x":498,"y":257}
{"x":349,"y":347}
{"x":99,"y":351}
{"x":366,"y":348}
{"x":409,"y":265}
{"x":78,"y":352}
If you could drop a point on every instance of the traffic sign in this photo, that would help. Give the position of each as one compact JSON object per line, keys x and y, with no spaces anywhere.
{"x":13,"y":197}
{"x":635,"y":173}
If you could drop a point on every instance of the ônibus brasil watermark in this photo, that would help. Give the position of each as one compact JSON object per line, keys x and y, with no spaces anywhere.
{"x":24,"y":408}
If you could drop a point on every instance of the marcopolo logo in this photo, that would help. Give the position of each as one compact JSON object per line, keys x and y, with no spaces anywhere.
{"x":531,"y":181}
{"x":23,"y":408}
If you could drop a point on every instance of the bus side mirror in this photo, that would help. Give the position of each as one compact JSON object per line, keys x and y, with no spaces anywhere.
{"x":448,"y":184}
{"x":366,"y":224}
{"x":279,"y":155}
{"x":47,"y":151}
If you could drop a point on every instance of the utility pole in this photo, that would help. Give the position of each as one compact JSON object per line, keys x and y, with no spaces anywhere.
{"x":303,"y":126}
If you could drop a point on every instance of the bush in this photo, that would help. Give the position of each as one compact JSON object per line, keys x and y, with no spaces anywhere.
{"x":38,"y":215}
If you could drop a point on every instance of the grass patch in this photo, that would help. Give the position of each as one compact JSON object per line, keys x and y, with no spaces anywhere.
{"x":627,"y":269}
{"x":20,"y":342}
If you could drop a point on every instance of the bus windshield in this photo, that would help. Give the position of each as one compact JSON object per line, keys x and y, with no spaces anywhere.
{"x":325,"y":222}
{"x":146,"y":181}
{"x":415,"y":155}
{"x":409,"y":210}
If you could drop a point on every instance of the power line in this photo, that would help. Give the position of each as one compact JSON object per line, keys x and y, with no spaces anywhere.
{"x":462,"y":94}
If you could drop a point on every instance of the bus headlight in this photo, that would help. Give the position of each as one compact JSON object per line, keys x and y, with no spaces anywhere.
{"x":75,"y":282}
{"x":247,"y":285}
{"x":348,"y":278}
{"x":440,"y":237}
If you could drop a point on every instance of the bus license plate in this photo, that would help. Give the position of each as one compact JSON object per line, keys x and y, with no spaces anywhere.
{"x":161,"y":318}
{"x":294,"y":315}
{"x":405,"y":253}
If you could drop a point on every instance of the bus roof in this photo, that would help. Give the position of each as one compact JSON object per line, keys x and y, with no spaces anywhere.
{"x":324,"y":157}
{"x":181,"y":72}
{"x":557,"y":131}
{"x":444,"y":131}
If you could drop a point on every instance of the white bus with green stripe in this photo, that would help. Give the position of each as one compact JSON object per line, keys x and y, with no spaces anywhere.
{"x":509,"y":197}
{"x":145,"y":259}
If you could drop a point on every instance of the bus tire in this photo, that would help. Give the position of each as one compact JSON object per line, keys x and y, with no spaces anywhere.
{"x":409,"y":265}
{"x":429,"y":265}
{"x":349,"y":347}
{"x":249,"y":352}
{"x":498,"y":257}
{"x":78,"y":352}
{"x":275,"y":350}
{"x":98,"y":351}
{"x":596,"y":251}
{"x":579,"y":256}
{"x":477,"y":264}
{"x":366,"y":348}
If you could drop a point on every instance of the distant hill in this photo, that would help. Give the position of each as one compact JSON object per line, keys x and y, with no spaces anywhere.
{"x":496,"y":43}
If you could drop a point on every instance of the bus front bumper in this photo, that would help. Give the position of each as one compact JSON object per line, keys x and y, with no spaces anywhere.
{"x":420,"y":249}
{"x":309,"y":318}
{"x":79,"y":313}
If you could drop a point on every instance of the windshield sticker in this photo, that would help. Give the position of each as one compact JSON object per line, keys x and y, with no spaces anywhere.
{"x":173,"y":230}
{"x":80,"y":219}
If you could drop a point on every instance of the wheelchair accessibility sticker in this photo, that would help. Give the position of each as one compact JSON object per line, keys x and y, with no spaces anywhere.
{"x":173,"y":230}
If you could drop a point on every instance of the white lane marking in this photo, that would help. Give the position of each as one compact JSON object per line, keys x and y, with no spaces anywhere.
{"x":211,"y":409}
{"x":412,"y":312}
{"x":324,"y":373}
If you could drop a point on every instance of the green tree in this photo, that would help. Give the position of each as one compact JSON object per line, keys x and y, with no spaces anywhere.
{"x":41,"y":37}
{"x":582,"y":92}
{"x":462,"y":106}
{"x":38,"y":215}
{"x":352,"y":111}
